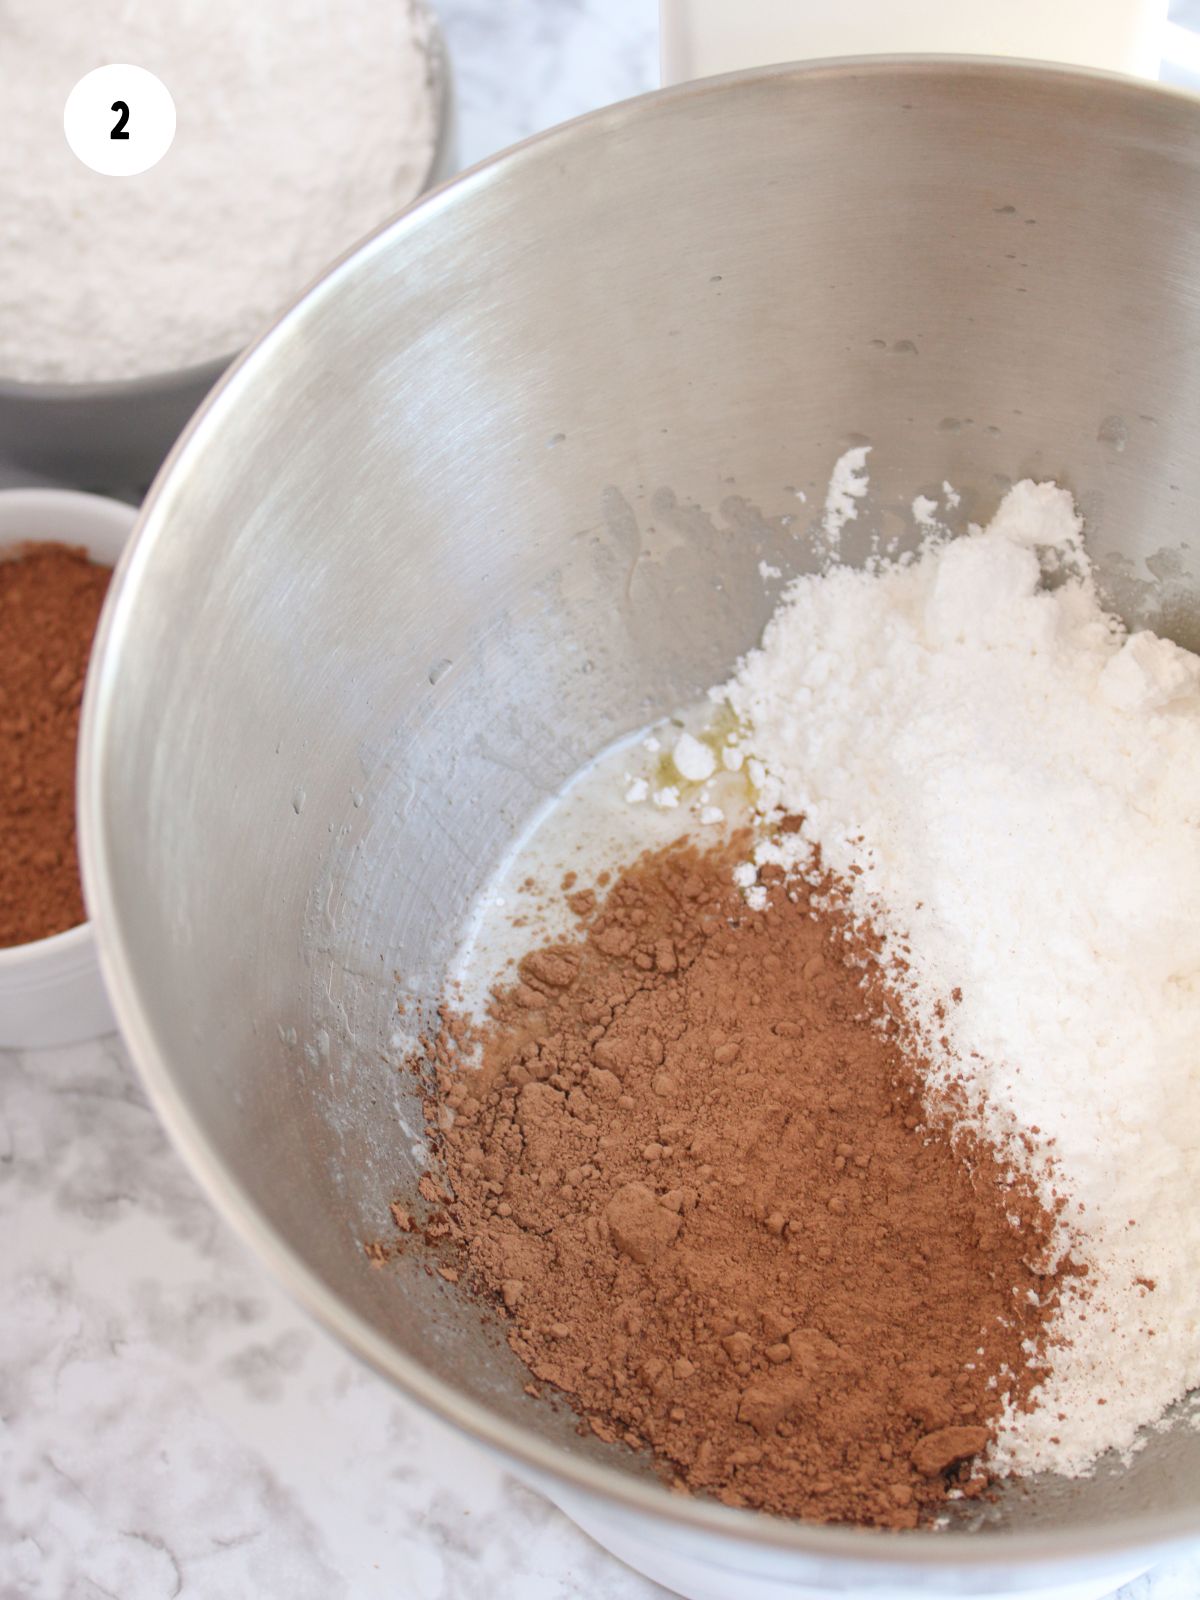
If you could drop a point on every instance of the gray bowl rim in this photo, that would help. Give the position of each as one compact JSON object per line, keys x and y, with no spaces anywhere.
{"x":976,"y":1550}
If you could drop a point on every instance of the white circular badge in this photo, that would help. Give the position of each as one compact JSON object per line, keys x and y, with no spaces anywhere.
{"x":119,"y":120}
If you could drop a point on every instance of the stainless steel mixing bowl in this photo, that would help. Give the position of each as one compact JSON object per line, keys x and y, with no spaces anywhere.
{"x":496,"y":492}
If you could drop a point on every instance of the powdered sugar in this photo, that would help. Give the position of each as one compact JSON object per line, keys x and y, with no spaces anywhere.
{"x":847,"y":484}
{"x":300,"y":128}
{"x":1018,"y":783}
{"x":924,"y":511}
{"x":695,"y":761}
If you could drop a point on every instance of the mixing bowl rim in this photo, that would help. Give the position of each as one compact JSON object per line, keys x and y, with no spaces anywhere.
{"x":977,"y":1549}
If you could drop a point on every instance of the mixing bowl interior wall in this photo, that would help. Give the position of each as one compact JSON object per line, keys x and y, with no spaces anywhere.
{"x":498,"y":492}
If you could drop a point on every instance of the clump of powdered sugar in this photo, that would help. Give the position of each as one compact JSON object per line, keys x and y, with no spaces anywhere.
{"x":300,"y":128}
{"x":848,"y":483}
{"x":1016,"y":784}
{"x":924,"y":511}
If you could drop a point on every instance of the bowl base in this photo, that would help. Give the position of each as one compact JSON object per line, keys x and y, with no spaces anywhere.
{"x":694,"y":1577}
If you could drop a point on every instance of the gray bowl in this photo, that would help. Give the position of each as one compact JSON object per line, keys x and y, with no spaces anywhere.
{"x":494,"y":494}
{"x":112,"y":437}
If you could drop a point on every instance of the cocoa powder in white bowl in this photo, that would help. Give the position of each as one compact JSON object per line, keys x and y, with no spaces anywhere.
{"x":51,"y":991}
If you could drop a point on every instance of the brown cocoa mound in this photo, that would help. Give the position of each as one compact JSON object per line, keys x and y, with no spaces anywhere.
{"x":50,"y":599}
{"x":694,"y":1170}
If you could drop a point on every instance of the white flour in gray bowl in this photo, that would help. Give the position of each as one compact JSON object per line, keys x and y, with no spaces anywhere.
{"x":300,"y":128}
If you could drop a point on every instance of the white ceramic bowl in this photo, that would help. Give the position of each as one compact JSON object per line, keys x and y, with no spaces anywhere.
{"x":51,"y":991}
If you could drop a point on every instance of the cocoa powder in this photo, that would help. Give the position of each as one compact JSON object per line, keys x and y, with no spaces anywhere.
{"x":50,"y":599}
{"x":694,"y":1170}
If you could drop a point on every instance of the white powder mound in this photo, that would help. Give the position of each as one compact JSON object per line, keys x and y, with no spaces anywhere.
{"x":300,"y":127}
{"x":1019,"y":783}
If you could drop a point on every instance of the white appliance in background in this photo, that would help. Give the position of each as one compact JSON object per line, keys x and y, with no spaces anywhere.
{"x":703,"y":37}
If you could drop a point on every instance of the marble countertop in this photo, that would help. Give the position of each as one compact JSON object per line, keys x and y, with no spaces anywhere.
{"x":169,"y":1423}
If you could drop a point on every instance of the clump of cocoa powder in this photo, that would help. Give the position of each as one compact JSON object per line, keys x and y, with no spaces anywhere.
{"x":694,"y":1170}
